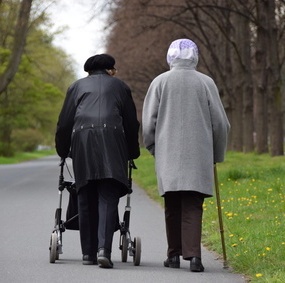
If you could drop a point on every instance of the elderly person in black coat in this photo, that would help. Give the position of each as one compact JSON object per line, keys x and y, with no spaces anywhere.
{"x":98,"y":128}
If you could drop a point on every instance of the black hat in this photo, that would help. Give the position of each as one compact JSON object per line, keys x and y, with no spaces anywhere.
{"x":99,"y":62}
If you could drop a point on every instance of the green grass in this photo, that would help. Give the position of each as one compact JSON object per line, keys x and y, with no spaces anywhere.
{"x":253,"y":209}
{"x":25,"y":156}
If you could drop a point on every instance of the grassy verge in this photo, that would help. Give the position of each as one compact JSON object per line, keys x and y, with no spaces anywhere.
{"x":25,"y":156}
{"x":253,"y":209}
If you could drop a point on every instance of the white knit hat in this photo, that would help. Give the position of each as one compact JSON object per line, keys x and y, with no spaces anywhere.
{"x":182,"y":49}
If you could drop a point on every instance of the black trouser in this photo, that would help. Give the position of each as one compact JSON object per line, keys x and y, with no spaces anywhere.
{"x":183,"y":218}
{"x":98,"y":214}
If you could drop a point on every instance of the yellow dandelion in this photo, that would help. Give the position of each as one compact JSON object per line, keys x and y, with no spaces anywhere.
{"x":268,"y":248}
{"x":258,"y":275}
{"x":231,"y":235}
{"x":241,"y":239}
{"x":234,"y":245}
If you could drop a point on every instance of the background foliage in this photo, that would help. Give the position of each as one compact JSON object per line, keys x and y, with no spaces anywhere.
{"x":30,"y":104}
{"x":241,"y":47}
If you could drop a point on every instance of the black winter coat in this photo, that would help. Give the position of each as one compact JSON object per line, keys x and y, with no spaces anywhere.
{"x":98,"y":127}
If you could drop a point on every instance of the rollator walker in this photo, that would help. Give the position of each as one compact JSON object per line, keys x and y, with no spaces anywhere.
{"x":126,"y":244}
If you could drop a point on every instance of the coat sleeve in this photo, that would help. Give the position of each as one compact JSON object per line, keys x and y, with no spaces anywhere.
{"x":65,"y":125}
{"x":131,"y":125}
{"x":220,"y":123}
{"x":149,"y":117}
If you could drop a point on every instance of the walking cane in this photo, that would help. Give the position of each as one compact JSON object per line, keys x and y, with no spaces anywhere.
{"x":220,"y":216}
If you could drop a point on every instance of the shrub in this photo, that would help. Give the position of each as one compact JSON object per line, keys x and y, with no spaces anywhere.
{"x":27,"y":139}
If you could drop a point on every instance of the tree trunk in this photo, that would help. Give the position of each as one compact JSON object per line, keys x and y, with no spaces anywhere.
{"x":247,"y":88}
{"x":261,"y":115}
{"x":6,"y":129}
{"x":238,"y":83}
{"x":224,"y":52}
{"x":21,"y":30}
{"x":274,"y":82}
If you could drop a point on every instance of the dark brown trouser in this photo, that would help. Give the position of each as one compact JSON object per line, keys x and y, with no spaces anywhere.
{"x":183,"y":218}
{"x":98,"y":215}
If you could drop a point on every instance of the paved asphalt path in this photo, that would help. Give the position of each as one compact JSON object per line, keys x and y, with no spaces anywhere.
{"x":28,"y":199}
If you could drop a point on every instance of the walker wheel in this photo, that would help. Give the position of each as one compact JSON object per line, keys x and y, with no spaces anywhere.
{"x":124,"y":253}
{"x":53,"y":255}
{"x":137,"y":251}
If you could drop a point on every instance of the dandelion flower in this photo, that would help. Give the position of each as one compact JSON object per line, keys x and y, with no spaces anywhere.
{"x":258,"y":275}
{"x":268,"y":249}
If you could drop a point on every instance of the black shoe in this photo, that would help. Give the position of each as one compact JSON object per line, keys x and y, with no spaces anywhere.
{"x":89,"y":260}
{"x":196,"y":265}
{"x":172,"y":262}
{"x":104,"y":259}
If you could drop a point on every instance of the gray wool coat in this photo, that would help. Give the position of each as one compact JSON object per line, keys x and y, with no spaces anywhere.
{"x":185,"y":128}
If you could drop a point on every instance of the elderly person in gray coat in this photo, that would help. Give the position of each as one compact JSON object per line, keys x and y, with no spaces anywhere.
{"x":185,"y":128}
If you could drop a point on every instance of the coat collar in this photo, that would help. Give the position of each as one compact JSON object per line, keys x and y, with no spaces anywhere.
{"x":97,"y":72}
{"x":183,"y":64}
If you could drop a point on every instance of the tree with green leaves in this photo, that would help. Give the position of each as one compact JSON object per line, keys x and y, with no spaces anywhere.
{"x":30,"y":103}
{"x":19,"y":38}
